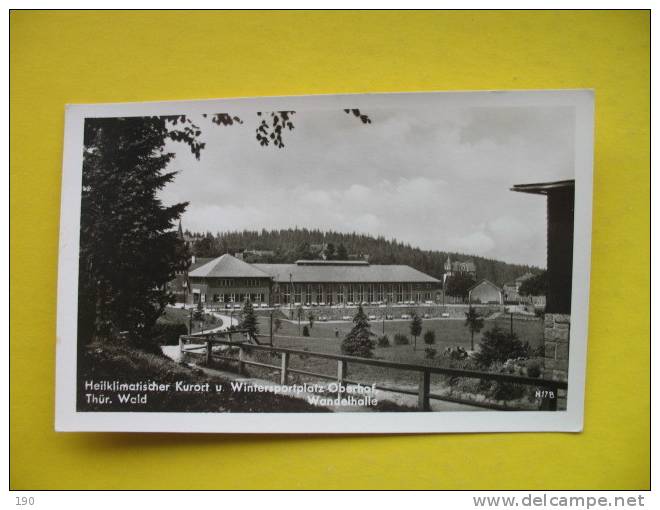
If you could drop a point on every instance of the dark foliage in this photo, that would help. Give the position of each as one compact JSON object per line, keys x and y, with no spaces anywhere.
{"x":128,"y":247}
{"x":429,"y":337}
{"x":271,"y":126}
{"x":122,"y":362}
{"x":415,"y":327}
{"x":475,"y":323}
{"x":401,"y":339}
{"x":535,"y":286}
{"x":358,"y":342}
{"x":305,"y":330}
{"x":290,"y":245}
{"x":459,"y":284}
{"x":383,"y":341}
{"x":249,"y":319}
{"x":499,"y":345}
{"x":167,"y":333}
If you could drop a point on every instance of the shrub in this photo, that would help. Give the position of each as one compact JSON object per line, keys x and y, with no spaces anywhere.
{"x":167,"y":333}
{"x":499,"y":345}
{"x":305,"y":331}
{"x":430,"y":352}
{"x":534,"y":369}
{"x":429,"y":337}
{"x":383,"y":341}
{"x":401,"y":339}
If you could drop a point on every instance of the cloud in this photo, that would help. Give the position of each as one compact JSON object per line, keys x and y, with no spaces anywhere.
{"x":476,"y":242}
{"x":437,"y":179}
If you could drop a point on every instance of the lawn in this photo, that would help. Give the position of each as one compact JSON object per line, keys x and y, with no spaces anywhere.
{"x":448,"y":333}
{"x":327,"y":337}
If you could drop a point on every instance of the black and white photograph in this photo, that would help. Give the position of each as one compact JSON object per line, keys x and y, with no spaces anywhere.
{"x":348,"y":263}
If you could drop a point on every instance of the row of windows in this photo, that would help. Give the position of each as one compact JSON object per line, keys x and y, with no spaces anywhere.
{"x":352,"y":294}
{"x":230,"y":298}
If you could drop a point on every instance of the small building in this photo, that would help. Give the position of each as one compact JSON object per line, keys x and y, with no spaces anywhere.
{"x":512,"y":289}
{"x":485,"y":292}
{"x":464,"y":267}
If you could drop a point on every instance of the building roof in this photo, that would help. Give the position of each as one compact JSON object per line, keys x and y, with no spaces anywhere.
{"x":542,"y":188}
{"x":199,"y":261}
{"x":487,"y":282}
{"x":227,"y":266}
{"x":341,"y":272}
{"x":332,"y":263}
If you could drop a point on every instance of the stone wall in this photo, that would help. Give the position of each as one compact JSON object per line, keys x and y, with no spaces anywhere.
{"x":556,"y":341}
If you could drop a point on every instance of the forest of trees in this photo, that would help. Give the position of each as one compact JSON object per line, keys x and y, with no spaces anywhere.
{"x":294,"y":244}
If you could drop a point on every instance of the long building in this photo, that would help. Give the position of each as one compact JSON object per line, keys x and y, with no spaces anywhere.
{"x":227,"y":279}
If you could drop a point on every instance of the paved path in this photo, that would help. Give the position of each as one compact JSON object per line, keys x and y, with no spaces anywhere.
{"x":226,"y":321}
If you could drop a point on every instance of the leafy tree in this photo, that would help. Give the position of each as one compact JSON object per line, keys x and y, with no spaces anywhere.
{"x":358,"y":342}
{"x":310,"y":318}
{"x":342,"y":253}
{"x":249,"y":319}
{"x":198,"y":314}
{"x":330,"y":252}
{"x":475,"y":323}
{"x":458,"y":285}
{"x":129,"y":249}
{"x":415,"y":328}
{"x":499,"y":345}
{"x":537,"y":285}
{"x":305,"y":330}
{"x":303,"y":252}
{"x":429,"y":337}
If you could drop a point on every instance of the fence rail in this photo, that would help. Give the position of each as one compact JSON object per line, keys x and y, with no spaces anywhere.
{"x":423,"y":393}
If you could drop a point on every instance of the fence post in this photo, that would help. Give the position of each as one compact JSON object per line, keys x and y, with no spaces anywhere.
{"x":208,"y":352}
{"x":241,"y":355}
{"x":284,"y":371}
{"x":181,"y":344}
{"x":341,"y":373}
{"x":424,"y":390}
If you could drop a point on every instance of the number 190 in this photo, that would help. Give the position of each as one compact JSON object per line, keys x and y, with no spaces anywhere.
{"x":24,"y":501}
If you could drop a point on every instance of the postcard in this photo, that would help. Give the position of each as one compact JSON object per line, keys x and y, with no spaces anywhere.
{"x":368,"y":263}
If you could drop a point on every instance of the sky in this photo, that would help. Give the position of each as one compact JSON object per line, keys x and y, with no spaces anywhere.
{"x":436,"y":178}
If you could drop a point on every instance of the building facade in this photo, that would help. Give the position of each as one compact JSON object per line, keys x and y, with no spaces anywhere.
{"x":311,"y":283}
{"x":560,"y":198}
{"x":466,"y":267}
{"x":485,"y":292}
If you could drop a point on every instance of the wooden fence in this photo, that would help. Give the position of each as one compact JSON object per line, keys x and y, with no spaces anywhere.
{"x":549,"y":388}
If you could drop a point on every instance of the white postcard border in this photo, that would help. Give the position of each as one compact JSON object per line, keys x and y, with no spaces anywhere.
{"x":571,"y":420}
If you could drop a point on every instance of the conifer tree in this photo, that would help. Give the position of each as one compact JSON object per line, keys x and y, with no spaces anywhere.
{"x":249,"y":319}
{"x":358,"y":342}
{"x":415,"y":328}
{"x":129,"y":248}
{"x":475,"y":323}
